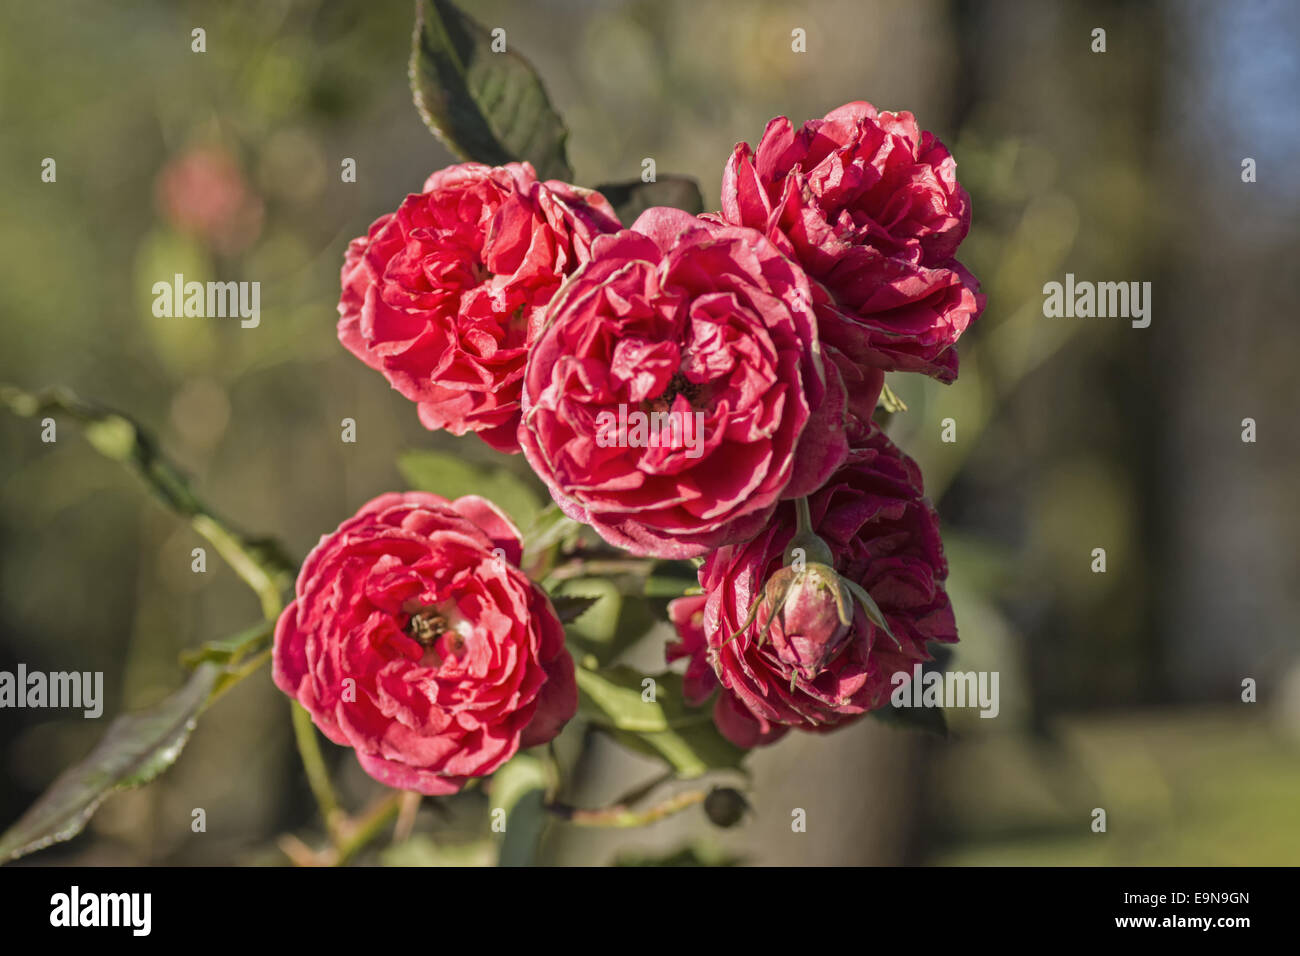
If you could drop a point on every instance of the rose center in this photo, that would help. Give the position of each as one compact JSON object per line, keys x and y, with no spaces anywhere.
{"x":427,"y":625}
{"x":679,"y":384}
{"x":440,"y":630}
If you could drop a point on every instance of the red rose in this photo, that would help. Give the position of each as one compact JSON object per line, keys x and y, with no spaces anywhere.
{"x":884,"y":536}
{"x":679,"y":391}
{"x":445,"y":296}
{"x":415,"y":640}
{"x":871,"y":207}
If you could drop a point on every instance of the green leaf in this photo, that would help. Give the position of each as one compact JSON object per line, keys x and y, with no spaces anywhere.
{"x":229,"y":651}
{"x":485,"y":106}
{"x":615,"y":622}
{"x":616,"y":697}
{"x":569,"y":607}
{"x":690,"y":751}
{"x":136,"y":748}
{"x":670,"y":585}
{"x":596,"y":630}
{"x":634,"y":197}
{"x":667,"y":728}
{"x":519,"y":788}
{"x":112,"y":436}
{"x":452,"y":477}
{"x":550,"y":531}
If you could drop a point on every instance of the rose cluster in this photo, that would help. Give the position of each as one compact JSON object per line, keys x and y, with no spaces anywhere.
{"x":689,"y":387}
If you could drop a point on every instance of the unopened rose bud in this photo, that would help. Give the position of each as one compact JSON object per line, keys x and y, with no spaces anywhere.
{"x":811,"y":614}
{"x":806,"y":608}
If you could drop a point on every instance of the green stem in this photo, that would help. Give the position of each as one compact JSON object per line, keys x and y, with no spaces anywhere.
{"x":803,"y":515}
{"x":313,"y":762}
{"x":815,"y":550}
{"x":236,"y":554}
{"x":368,"y":827}
{"x":622,"y":816}
{"x":600,"y":567}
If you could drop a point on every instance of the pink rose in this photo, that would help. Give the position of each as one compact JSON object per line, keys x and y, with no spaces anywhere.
{"x":679,"y":392}
{"x":203,"y":193}
{"x":804,"y":673}
{"x":871,"y":207}
{"x":415,"y":640}
{"x":445,"y":296}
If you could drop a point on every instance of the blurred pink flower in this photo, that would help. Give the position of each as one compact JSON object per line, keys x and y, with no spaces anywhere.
{"x":202,"y":193}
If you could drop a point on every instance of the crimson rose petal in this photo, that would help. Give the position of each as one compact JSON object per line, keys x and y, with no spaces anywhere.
{"x":870,"y":206}
{"x":445,"y":295}
{"x":414,"y":639}
{"x":805,"y":672}
{"x":678,"y":392}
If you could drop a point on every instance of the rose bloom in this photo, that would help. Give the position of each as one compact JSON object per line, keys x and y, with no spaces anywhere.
{"x":416,"y":640}
{"x":445,"y":295}
{"x":870,"y":206}
{"x":808,"y":672}
{"x":705,"y":332}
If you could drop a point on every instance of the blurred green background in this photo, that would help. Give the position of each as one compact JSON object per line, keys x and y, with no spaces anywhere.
{"x":1118,"y":690}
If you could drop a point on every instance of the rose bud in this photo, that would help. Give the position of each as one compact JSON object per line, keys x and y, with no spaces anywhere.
{"x":805,"y":620}
{"x":810,"y":607}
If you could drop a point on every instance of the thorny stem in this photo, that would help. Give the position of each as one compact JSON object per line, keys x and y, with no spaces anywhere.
{"x":354,"y":835}
{"x":358,"y":834}
{"x":622,"y":816}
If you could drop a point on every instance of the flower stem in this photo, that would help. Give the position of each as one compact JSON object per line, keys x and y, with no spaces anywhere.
{"x":360,"y":832}
{"x":407,"y":809}
{"x":353,"y":835}
{"x":803,"y":515}
{"x":622,"y":816}
{"x":598,"y":567}
{"x":304,"y":732}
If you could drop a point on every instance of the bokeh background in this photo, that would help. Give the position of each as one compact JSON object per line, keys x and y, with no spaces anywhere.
{"x":1119,"y":690}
